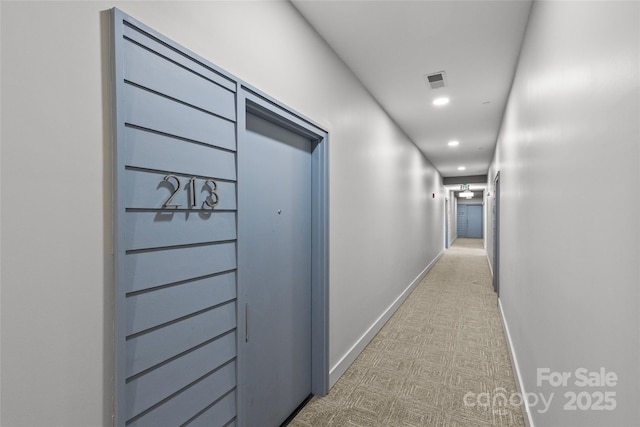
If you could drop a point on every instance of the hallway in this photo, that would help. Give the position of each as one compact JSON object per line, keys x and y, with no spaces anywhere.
{"x":443,"y":347}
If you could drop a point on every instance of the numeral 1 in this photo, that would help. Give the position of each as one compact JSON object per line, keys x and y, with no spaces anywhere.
{"x":192,"y":183}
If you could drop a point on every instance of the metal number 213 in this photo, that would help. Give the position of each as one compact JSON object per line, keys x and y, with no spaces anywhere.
{"x":210,"y":185}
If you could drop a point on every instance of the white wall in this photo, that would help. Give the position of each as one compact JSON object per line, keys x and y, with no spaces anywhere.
{"x":569,"y":162}
{"x":57,"y":287}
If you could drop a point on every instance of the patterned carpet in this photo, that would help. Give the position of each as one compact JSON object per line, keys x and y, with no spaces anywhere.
{"x":443,"y":347}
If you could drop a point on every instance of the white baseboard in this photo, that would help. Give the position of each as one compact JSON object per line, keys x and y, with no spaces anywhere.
{"x":343,"y":364}
{"x":516,"y":368}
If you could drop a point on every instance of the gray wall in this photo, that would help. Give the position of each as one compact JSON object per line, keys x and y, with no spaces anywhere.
{"x":569,"y":265}
{"x":57,"y":283}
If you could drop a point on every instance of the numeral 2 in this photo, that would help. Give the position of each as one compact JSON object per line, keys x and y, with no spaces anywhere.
{"x":167,"y":203}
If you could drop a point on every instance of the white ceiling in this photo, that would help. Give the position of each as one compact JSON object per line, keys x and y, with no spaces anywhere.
{"x":391,"y":45}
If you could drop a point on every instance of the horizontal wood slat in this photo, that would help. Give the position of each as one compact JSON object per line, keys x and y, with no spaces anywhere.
{"x":155,"y":112}
{"x":219,"y":414}
{"x":148,"y":390}
{"x":178,"y":57}
{"x":148,"y":350}
{"x":155,"y":308}
{"x":154,"y":72}
{"x":150,"y":150}
{"x":185,"y":405}
{"x":150,"y":269}
{"x":166,"y":228}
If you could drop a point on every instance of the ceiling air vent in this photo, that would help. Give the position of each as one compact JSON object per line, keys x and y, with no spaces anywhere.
{"x":435,"y":80}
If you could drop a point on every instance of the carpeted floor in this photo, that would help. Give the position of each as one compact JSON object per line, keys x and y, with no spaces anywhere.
{"x":441,"y":360}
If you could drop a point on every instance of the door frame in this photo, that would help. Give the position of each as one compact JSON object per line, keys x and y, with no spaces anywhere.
{"x":446,"y":223}
{"x":496,"y":234}
{"x":251,"y":101}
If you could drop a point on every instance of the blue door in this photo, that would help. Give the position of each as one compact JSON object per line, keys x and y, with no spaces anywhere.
{"x":277,"y":277}
{"x":474,"y":221}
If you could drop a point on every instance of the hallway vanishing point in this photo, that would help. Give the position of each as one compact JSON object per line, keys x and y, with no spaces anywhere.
{"x":441,"y":360}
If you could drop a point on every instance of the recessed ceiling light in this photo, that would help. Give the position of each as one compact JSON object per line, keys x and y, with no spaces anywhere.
{"x":441,"y":101}
{"x":461,"y":168}
{"x":453,"y":143}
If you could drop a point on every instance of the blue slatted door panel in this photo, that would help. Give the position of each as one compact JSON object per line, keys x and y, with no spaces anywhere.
{"x":176,"y":253}
{"x":462,"y":221}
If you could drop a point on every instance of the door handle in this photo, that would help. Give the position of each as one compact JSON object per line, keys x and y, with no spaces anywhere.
{"x":246,"y":322}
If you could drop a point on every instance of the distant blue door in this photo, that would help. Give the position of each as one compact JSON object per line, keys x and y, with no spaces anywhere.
{"x":277,"y":277}
{"x":474,"y":221}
